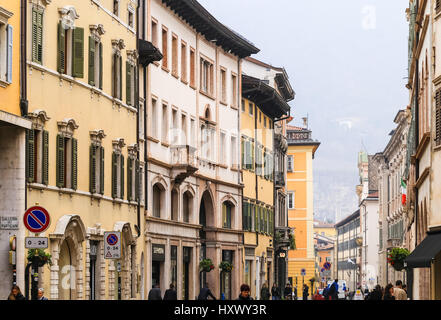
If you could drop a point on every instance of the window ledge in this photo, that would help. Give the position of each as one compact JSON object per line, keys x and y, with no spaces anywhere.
{"x":437,"y":148}
{"x":223,"y":166}
{"x":152,"y":139}
{"x":184,"y":81}
{"x":165,"y":69}
{"x":175,"y":75}
{"x":38,"y":186}
{"x":165,"y":144}
{"x":192,"y":86}
{"x":223,"y":103}
{"x":156,"y":63}
{"x":118,"y":200}
{"x":132,"y":202}
{"x":4,"y":83}
{"x":234,"y":107}
{"x":66,"y":191}
{"x":97,"y":196}
{"x":207,"y":95}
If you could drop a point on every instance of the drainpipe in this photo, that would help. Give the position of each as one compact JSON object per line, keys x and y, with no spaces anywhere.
{"x":146,"y":168}
{"x":138,"y":208}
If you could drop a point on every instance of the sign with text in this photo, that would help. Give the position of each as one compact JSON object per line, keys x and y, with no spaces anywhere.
{"x":9,"y":223}
{"x":112,"y":245}
{"x":36,"y":243}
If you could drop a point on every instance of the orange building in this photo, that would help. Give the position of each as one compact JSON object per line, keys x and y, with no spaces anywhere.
{"x":301,"y":150}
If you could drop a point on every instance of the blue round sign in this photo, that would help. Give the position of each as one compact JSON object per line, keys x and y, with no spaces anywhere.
{"x":36,"y":219}
{"x":112,"y":239}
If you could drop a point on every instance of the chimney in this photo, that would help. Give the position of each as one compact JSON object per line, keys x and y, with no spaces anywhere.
{"x":305,"y":123}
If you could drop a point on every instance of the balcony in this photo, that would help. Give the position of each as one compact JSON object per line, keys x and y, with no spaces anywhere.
{"x":282,"y":237}
{"x":279,"y":180}
{"x":184,"y":162}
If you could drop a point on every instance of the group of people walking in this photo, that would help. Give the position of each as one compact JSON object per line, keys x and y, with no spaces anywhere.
{"x":389,"y":292}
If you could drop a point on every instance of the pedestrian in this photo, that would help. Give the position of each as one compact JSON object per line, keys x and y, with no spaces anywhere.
{"x":205,"y":293}
{"x":288,"y":291}
{"x":399,"y":293}
{"x":389,"y":292}
{"x":40,"y":294}
{"x":264,"y":292}
{"x":295,"y":293}
{"x":275,"y":292}
{"x":155,"y":293}
{"x":16,"y":294}
{"x":170,"y":294}
{"x":326,"y":292}
{"x":333,"y":290}
{"x":305,"y":292}
{"x":244,"y":293}
{"x":405,"y":288}
{"x":376,"y":294}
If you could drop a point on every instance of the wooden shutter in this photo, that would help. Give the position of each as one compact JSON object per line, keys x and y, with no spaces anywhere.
{"x":252,"y":156}
{"x":101,"y":170}
{"x":120,"y":78}
{"x":242,"y":150}
{"x":256,"y":218}
{"x":114,"y":175}
{"x":91,"y":61}
{"x":122,"y":177}
{"x":100,"y":46}
{"x":244,"y":216}
{"x":137,"y":180}
{"x":129,"y":179}
{"x":60,"y":161}
{"x":78,"y":53}
{"x":9,"y":53}
{"x":249,"y":217}
{"x":438,"y":117}
{"x":61,"y":56}
{"x":74,"y":164}
{"x":92,"y":169}
{"x":30,"y":146}
{"x":37,"y":36}
{"x":45,"y":158}
{"x":128,"y":83}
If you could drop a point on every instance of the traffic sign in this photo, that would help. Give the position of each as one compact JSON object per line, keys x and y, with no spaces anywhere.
{"x":303,"y":272}
{"x":36,"y":243}
{"x":36,"y":219}
{"x":112,"y":246}
{"x":327,"y":266}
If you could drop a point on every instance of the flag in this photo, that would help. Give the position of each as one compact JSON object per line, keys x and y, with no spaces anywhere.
{"x":403,"y":192}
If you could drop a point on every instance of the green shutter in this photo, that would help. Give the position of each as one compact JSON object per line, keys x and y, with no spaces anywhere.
{"x":128,"y":83}
{"x":74,"y":164}
{"x":137,"y":182}
{"x":250,"y":218}
{"x":252,"y":156}
{"x":30,"y":143}
{"x":61,"y":57}
{"x":92,"y":169}
{"x":37,"y":36}
{"x":114,"y":175}
{"x":91,"y":61}
{"x":101,"y":170}
{"x":78,"y":53}
{"x":101,"y":65}
{"x":122,"y":177}
{"x":129,"y":179}
{"x":60,"y":161}
{"x":244,"y":216}
{"x":45,"y":158}
{"x":256,"y":218}
{"x":34,"y":34}
{"x":243,"y":153}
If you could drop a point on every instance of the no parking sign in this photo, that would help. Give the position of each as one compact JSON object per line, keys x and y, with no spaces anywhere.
{"x":112,"y":245}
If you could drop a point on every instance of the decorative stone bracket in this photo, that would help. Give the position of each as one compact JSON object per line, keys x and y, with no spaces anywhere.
{"x":97,"y":136}
{"x":38,"y":118}
{"x":67,"y":127}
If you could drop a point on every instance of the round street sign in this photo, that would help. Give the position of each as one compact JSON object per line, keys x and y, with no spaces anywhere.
{"x":327,"y":266}
{"x":112,"y":239}
{"x":303,"y":272}
{"x":36,"y":219}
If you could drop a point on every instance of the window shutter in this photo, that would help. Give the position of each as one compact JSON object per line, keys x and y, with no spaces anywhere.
{"x":9,"y":53}
{"x":60,"y":161}
{"x":101,"y":65}
{"x":61,"y":61}
{"x":129,"y":179}
{"x":78,"y":53}
{"x":438,"y":117}
{"x":91,"y":61}
{"x":45,"y":157}
{"x":120,"y":78}
{"x":128,"y":83}
{"x":242,"y":150}
{"x":114,"y":175}
{"x":256,"y":218}
{"x":30,"y":143}
{"x":224,"y":215}
{"x":92,"y":169}
{"x":74,"y":164}
{"x":101,"y":170}
{"x":250,"y":217}
{"x":137,"y":181}
{"x":34,"y":35}
{"x":122,"y":177}
{"x":252,"y":156}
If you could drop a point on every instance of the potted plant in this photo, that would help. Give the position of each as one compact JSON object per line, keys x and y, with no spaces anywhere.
{"x":206,"y":265}
{"x":396,"y":258}
{"x":41,"y":255}
{"x":225,"y":266}
{"x":292,"y":241}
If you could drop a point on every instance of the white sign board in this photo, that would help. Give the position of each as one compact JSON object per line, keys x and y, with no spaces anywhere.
{"x":358,"y":295}
{"x":112,"y":245}
{"x":8,"y":223}
{"x":36,"y":243}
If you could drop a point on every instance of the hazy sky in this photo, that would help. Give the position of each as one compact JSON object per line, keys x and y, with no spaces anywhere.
{"x":347,"y":62}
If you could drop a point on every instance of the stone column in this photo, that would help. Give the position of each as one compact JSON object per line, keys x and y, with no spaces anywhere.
{"x":55,"y":246}
{"x":167,"y":264}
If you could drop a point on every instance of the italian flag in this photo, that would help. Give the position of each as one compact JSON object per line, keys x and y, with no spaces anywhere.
{"x":403,"y":192}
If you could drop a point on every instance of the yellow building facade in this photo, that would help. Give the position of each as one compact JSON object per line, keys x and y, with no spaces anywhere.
{"x":301,"y":150}
{"x":82,"y":162}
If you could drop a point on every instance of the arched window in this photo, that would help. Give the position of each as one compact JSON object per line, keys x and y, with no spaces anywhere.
{"x":227,"y":215}
{"x":158,"y":200}
{"x":174,"y":205}
{"x":187,"y":206}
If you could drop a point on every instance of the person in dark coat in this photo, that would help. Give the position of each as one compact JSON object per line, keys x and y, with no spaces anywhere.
{"x":155,"y":293}
{"x":264,"y":292}
{"x":295,"y":293}
{"x":333,"y":290}
{"x":288,"y":291}
{"x":16,"y":294}
{"x":376,"y":294}
{"x":305,"y":292}
{"x":389,"y":292}
{"x":40,"y":294}
{"x":170,"y":294}
{"x":275,"y":292}
{"x":244,"y":293}
{"x":205,"y":293}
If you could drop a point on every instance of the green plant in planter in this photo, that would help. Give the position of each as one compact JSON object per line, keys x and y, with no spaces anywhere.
{"x":44,"y":258}
{"x":396,"y":258}
{"x":292,"y":241}
{"x":206,"y":265}
{"x":226,"y":266}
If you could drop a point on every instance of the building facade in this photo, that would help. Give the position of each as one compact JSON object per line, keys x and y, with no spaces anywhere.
{"x":301,"y":151}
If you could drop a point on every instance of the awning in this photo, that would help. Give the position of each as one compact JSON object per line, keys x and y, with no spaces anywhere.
{"x":426,"y":251}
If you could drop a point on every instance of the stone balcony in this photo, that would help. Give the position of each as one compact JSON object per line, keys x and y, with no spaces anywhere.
{"x":184,"y":162}
{"x":279,"y":180}
{"x":282,"y":240}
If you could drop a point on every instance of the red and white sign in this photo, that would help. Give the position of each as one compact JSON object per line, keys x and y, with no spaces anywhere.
{"x":112,"y":246}
{"x":36,"y":219}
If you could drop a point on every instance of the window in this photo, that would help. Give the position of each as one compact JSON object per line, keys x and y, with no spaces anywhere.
{"x":290,"y":164}
{"x":183,"y":134}
{"x":187,"y":203}
{"x":37,"y":35}
{"x":438,"y":117}
{"x":164,"y":123}
{"x":193,"y":132}
{"x":233,"y":90}
{"x":117,"y":175}
{"x":37,"y":156}
{"x":247,"y":154}
{"x":165,"y":47}
{"x":70,"y":51}
{"x":117,"y":76}
{"x":174,"y":205}
{"x":133,"y":175}
{"x":206,"y":77}
{"x":222,"y":151}
{"x":131,"y":17}
{"x":243,"y":105}
{"x":259,"y":163}
{"x":183,"y":61}
{"x":192,"y":68}
{"x":264,"y":121}
{"x":130,"y":83}
{"x":291,"y":200}
{"x":268,"y":164}
{"x":226,"y":215}
{"x":96,"y":177}
{"x":154,"y":120}
{"x":260,"y":116}
{"x":158,"y":200}
{"x":251,"y":105}
{"x":175,"y":55}
{"x":175,"y":129}
{"x":67,"y":160}
{"x":233,"y":148}
{"x":223,"y":75}
{"x":155,"y":32}
{"x":95,"y":62}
